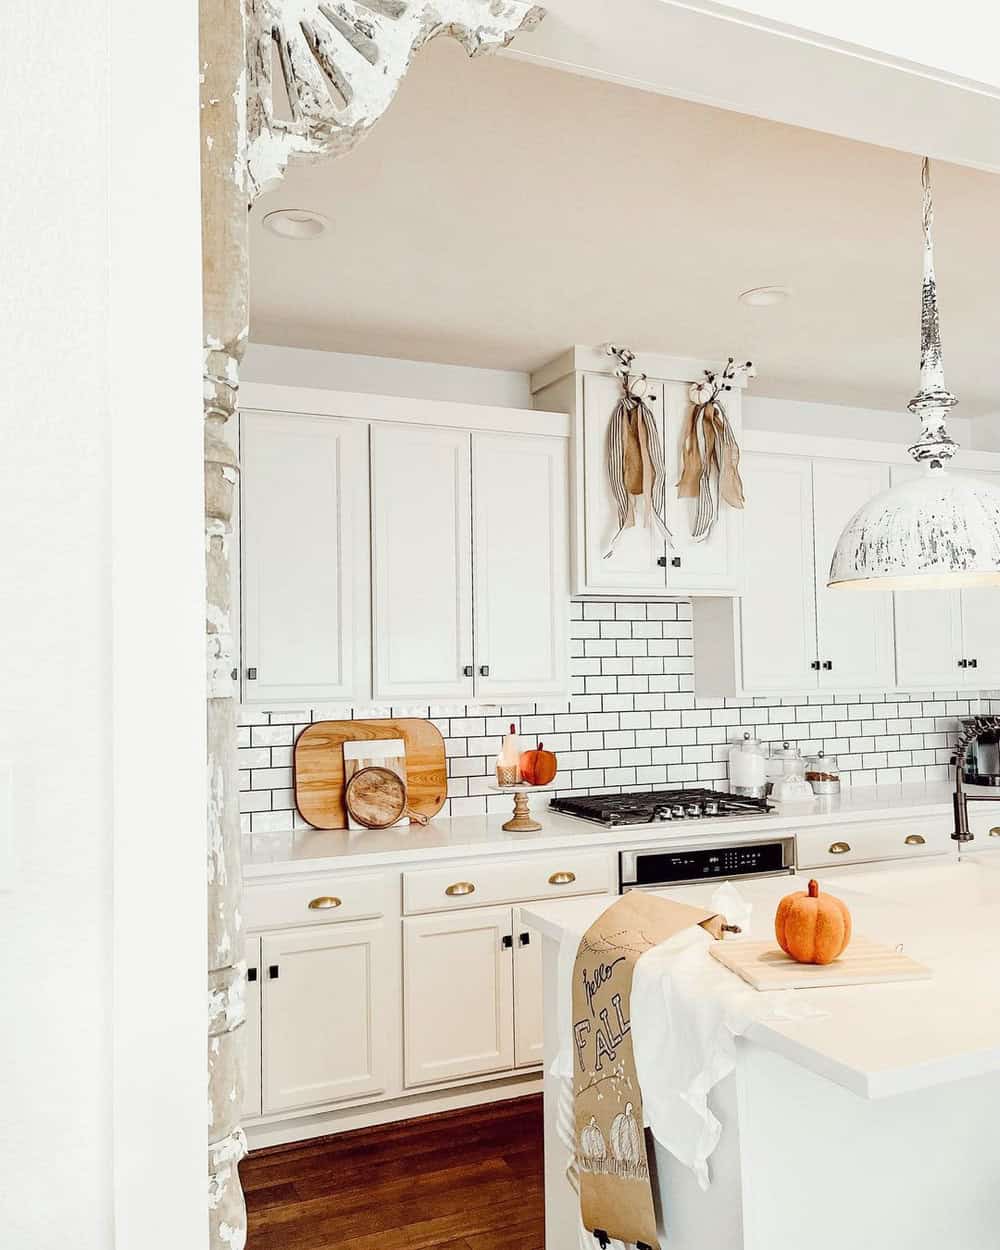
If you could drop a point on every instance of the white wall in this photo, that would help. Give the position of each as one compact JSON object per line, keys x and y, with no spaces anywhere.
{"x":793,"y":416}
{"x":381,"y":375}
{"x":102,"y":950}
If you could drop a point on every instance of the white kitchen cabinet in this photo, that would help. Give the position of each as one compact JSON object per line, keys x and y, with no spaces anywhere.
{"x":421,"y":482}
{"x":854,"y":629}
{"x":304,"y":555}
{"x":529,"y":1041}
{"x":521,"y":575}
{"x":327,"y":998}
{"x":642,"y":563}
{"x":778,"y":607}
{"x":458,"y":997}
{"x":946,"y":639}
{"x":789,"y":633}
{"x":251,"y":1032}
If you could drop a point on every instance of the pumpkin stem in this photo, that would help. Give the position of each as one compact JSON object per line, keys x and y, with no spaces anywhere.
{"x":512,"y":729}
{"x":814,"y":889}
{"x":541,"y":746}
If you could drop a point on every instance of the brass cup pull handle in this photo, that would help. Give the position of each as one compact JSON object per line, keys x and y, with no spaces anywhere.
{"x":460,"y":888}
{"x":562,"y":878}
{"x":995,"y":831}
{"x":840,"y":848}
{"x":325,"y":903}
{"x":916,"y":839}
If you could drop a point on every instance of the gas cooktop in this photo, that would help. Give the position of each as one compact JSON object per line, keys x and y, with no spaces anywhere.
{"x":659,"y":806}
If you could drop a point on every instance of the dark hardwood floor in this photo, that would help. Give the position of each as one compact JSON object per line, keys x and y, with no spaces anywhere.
{"x":464,"y":1180}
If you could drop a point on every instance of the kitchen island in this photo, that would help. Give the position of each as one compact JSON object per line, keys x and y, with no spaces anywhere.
{"x":870,"y":1125}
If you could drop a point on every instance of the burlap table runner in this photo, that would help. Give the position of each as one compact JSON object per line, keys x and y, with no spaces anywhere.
{"x":616,"y":1198}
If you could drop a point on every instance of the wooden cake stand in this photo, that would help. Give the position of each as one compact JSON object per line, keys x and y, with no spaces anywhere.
{"x":522,"y":821}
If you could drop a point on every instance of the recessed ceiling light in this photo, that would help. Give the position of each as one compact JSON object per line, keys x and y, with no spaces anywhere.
{"x":296,"y":223}
{"x":765,"y":296}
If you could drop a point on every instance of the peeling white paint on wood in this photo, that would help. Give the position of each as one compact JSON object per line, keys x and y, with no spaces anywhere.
{"x":342,"y":63}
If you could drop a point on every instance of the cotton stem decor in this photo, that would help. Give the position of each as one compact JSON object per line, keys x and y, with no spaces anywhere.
{"x":635,"y":454}
{"x":710,"y":462}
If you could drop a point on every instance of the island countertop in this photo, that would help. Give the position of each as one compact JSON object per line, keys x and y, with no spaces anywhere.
{"x":885,"y":1039}
{"x":306,"y":850}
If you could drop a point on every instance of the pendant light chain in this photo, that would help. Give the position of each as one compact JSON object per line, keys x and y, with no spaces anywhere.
{"x":933,"y":401}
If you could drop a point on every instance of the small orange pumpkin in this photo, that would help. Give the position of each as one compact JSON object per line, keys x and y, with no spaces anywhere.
{"x":812,"y":928}
{"x":538,"y":767}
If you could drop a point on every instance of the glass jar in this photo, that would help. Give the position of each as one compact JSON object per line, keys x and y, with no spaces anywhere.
{"x":823,"y":773}
{"x":785,"y":761}
{"x":748,"y":769}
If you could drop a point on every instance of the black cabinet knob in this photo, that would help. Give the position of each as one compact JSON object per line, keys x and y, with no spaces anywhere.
{"x":963,"y":664}
{"x":507,"y":941}
{"x":973,"y":664}
{"x":251,"y":974}
{"x":828,"y":664}
{"x":524,"y":939}
{"x":676,"y":562}
{"x":468,"y":671}
{"x":815,"y":664}
{"x":251,"y":674}
{"x":662,"y":562}
{"x":272,"y":972}
{"x":484,"y":670}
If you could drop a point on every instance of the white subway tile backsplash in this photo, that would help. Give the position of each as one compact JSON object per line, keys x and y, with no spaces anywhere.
{"x":633,"y":722}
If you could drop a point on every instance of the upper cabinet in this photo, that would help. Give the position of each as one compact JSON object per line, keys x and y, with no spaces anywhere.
{"x":468,"y":528}
{"x":414,"y":561}
{"x":789,"y":633}
{"x":304,"y":557}
{"x":642,"y":562}
{"x":947,"y":638}
{"x":421,"y":563}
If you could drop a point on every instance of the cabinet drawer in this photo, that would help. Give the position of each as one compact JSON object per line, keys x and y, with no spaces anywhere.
{"x":984,"y":825}
{"x":479,"y":884}
{"x":318,"y":900}
{"x":864,"y":843}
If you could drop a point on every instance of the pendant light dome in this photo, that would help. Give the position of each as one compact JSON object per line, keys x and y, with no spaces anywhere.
{"x":941,"y":530}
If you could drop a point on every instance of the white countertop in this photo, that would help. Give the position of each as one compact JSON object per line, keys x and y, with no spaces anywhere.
{"x":280,"y":854}
{"x":886,"y":1039}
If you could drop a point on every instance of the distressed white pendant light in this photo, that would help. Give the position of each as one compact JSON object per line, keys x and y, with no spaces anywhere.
{"x":941,"y":530}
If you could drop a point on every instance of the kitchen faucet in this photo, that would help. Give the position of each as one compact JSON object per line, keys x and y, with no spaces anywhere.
{"x":974,"y":727}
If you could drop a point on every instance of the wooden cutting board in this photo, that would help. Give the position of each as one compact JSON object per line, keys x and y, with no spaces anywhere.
{"x":766,"y":967}
{"x":319,"y":766}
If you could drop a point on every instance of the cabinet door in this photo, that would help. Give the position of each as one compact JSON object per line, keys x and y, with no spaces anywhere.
{"x":327,"y":1015}
{"x":421,"y":563}
{"x":521,"y":581}
{"x":981,"y":628}
{"x":855,"y":628}
{"x":778,"y":608}
{"x":304,"y":504}
{"x":251,"y":1033}
{"x":634,"y":566}
{"x":714,"y":563}
{"x":529,"y":1041}
{"x":458,"y":998}
{"x":928,"y":629}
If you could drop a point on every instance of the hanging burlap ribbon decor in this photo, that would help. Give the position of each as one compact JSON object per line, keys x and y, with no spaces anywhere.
{"x":635,"y":463}
{"x":616,"y":1197}
{"x":710,"y":454}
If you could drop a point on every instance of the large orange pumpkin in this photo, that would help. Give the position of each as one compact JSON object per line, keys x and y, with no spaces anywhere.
{"x":538,"y":768}
{"x":812,"y":928}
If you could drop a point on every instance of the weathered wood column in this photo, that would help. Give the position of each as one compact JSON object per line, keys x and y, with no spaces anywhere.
{"x":342,"y":63}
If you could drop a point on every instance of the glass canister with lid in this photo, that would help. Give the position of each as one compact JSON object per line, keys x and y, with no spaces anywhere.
{"x":748,"y":768}
{"x":823,"y":773}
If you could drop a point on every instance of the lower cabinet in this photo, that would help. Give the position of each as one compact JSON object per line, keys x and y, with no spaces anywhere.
{"x":458,"y":995}
{"x":326,"y":1015}
{"x":529,"y":1040}
{"x":472,"y":997}
{"x":251,"y":1032}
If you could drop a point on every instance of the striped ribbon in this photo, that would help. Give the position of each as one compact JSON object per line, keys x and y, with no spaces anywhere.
{"x":654,"y":484}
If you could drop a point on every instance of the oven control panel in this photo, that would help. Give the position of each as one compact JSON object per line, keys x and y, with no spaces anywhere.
{"x":660,"y":867}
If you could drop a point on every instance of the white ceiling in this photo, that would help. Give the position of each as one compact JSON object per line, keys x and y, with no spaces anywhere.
{"x":502,"y":212}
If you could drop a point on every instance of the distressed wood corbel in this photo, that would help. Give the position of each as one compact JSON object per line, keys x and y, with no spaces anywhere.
{"x":341,"y":62}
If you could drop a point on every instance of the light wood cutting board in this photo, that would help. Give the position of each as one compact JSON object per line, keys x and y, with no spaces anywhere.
{"x":319,"y":766}
{"x":766,"y":967}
